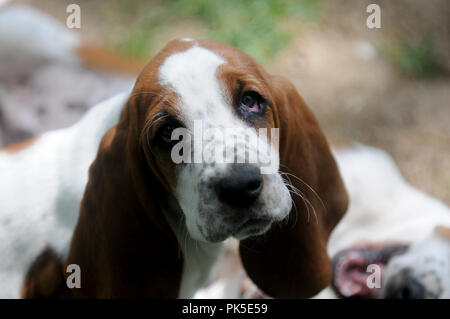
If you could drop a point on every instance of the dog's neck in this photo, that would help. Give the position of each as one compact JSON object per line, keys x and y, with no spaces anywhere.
{"x":199,"y":257}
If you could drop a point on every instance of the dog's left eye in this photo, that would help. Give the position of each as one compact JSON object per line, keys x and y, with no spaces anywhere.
{"x":251,"y":102}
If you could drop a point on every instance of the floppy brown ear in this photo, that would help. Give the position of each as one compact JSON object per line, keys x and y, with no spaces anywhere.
{"x":122,"y":243}
{"x":45,"y":278}
{"x":291,"y":261}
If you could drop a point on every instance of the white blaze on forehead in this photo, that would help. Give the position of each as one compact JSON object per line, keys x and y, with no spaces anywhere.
{"x":192,"y":74}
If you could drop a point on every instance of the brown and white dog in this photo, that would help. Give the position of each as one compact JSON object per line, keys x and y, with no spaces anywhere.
{"x":148,"y":227}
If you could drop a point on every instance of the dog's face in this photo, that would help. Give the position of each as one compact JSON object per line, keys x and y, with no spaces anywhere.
{"x":201,"y":137}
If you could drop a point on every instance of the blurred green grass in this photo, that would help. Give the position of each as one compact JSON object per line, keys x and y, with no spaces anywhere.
{"x":413,"y":58}
{"x":261,"y":28}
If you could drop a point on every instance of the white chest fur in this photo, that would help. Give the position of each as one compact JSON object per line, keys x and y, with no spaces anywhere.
{"x":199,"y":257}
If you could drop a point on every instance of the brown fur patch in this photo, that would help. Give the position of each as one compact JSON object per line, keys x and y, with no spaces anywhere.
{"x":14,"y":148}
{"x":107,"y":60}
{"x":443,"y":232}
{"x":340,"y":143}
{"x":45,"y":278}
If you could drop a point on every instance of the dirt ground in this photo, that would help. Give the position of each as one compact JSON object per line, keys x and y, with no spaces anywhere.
{"x":355,"y":92}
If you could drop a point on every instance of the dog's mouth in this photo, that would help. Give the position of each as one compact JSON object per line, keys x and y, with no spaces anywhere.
{"x":351,"y":270}
{"x":252,"y":227}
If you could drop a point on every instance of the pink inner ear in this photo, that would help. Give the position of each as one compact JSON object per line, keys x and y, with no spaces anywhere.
{"x":350,"y":277}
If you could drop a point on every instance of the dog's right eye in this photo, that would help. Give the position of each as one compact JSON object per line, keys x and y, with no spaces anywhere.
{"x":251,"y":103}
{"x":164,"y":135}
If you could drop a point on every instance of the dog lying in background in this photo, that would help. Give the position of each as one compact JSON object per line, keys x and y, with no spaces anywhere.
{"x":385,"y":216}
{"x":389,"y":223}
{"x":40,"y":60}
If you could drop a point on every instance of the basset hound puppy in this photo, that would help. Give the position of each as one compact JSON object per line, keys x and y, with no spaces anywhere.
{"x":140,"y":225}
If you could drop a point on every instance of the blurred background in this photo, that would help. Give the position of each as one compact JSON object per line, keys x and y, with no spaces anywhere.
{"x":386,"y":87}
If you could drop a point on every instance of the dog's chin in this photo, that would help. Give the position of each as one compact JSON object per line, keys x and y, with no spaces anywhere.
{"x":203,"y":234}
{"x":221,"y":227}
{"x":252,"y":231}
{"x":250,"y":228}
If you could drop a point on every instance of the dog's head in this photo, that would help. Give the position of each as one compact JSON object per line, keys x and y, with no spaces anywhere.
{"x":423,"y":271}
{"x":208,"y":111}
{"x":236,"y":148}
{"x":395,"y":270}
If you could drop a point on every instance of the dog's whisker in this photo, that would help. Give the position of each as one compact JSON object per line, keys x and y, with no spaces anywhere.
{"x":293,"y":190}
{"x":289,"y":183}
{"x":297,"y":192}
{"x":246,"y":247}
{"x":304,"y":197}
{"x":146,"y":131}
{"x":307,"y":185}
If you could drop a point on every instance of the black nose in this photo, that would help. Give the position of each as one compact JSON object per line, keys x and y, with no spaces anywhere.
{"x":408,"y":289}
{"x":241,"y":187}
